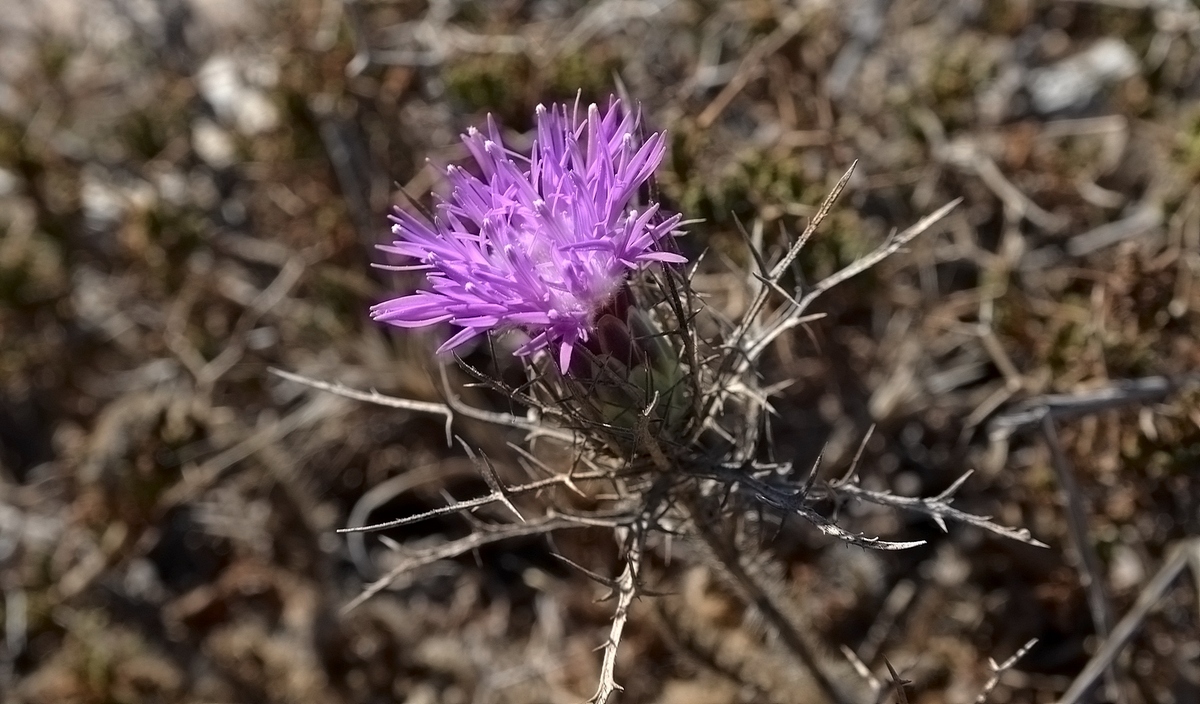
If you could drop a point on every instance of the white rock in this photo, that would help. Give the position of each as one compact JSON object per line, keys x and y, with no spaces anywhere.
{"x":223,"y":83}
{"x":8,"y":182}
{"x":213,"y":144}
{"x":102,"y":203}
{"x":220,"y":83}
{"x":172,"y":187}
{"x":1126,"y":570}
{"x":256,"y":113}
{"x":1075,"y":81}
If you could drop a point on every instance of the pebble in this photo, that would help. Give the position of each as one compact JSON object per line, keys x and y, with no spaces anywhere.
{"x":213,"y":144}
{"x":236,"y":100}
{"x":1125,"y":569}
{"x":8,"y":182}
{"x":1077,"y":80}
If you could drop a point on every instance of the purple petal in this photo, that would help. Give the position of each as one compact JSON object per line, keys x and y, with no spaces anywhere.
{"x":540,"y":242}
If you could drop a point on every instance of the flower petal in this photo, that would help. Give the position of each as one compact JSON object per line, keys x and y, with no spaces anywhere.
{"x":541,"y":242}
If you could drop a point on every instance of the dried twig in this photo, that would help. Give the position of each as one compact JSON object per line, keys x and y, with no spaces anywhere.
{"x":863,"y":671}
{"x":1153,"y":592}
{"x":751,"y":64}
{"x":790,"y":317}
{"x":1145,"y":218}
{"x":998,"y":670}
{"x":289,"y":275}
{"x":471,"y":542}
{"x":214,"y":469}
{"x":778,"y":271}
{"x":789,"y":499}
{"x":754,"y":594}
{"x":893,"y":606}
{"x":898,"y":683}
{"x":1121,"y":393}
{"x":498,"y":495}
{"x":626,"y":589}
{"x":939,"y":509}
{"x":373,"y":396}
{"x":446,"y":410}
{"x":1089,"y":567}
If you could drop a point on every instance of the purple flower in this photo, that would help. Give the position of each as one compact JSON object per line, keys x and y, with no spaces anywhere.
{"x":537,"y":243}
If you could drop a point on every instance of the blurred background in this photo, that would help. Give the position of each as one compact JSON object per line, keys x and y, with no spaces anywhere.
{"x":190,"y":191}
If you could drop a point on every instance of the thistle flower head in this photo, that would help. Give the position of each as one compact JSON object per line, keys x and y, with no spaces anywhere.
{"x":537,"y":243}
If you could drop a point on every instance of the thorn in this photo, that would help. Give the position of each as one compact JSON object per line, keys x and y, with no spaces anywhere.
{"x":599,"y":578}
{"x":488,"y":472}
{"x":897,"y":683}
{"x":953,"y":488}
{"x":812,"y":474}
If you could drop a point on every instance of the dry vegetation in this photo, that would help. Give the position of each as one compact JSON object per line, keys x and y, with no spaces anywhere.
{"x":189,"y":194}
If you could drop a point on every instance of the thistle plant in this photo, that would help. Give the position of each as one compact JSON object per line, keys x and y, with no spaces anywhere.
{"x":657,"y":399}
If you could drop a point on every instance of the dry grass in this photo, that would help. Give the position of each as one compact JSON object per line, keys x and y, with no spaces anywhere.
{"x":189,"y":196}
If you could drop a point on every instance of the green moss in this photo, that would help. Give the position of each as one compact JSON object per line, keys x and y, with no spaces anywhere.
{"x":763,"y":179}
{"x":54,"y":55}
{"x":758,"y":183}
{"x":32,"y":274}
{"x":178,"y":232}
{"x":679,"y":179}
{"x":1187,"y":147}
{"x":1166,"y":462}
{"x":587,"y":72}
{"x":1069,"y":341}
{"x":956,"y":73}
{"x":302,"y":130}
{"x":495,"y":84}
{"x":1132,"y":358}
{"x":144,"y":134}
{"x":11,"y":137}
{"x":751,"y":182}
{"x":840,"y":241}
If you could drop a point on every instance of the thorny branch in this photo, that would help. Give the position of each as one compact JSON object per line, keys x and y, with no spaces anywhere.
{"x":938,"y":508}
{"x":791,"y":315}
{"x":753,"y":594}
{"x":792,"y":503}
{"x":495,"y":496}
{"x":778,"y":271}
{"x":793,"y":499}
{"x":446,"y":410}
{"x":626,"y":588}
{"x":751,"y":337}
{"x":372,"y":396}
{"x":476,"y":540}
{"x":1000,"y":669}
